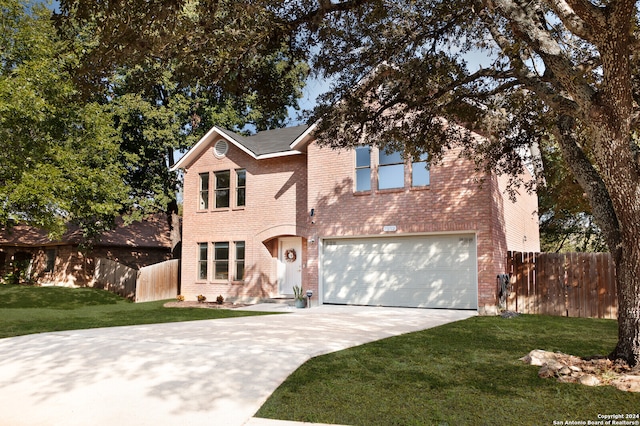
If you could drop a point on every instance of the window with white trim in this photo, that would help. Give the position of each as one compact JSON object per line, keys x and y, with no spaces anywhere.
{"x":203,"y":192}
{"x":363,"y":168}
{"x":221,"y":261}
{"x":241,"y":187}
{"x":239,"y":261}
{"x":203,"y":257}
{"x":420,"y":171}
{"x":390,"y":170}
{"x":222,"y":188}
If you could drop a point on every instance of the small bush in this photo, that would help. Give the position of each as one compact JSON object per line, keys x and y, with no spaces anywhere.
{"x":220,"y":300}
{"x":201,"y":298}
{"x":180,"y":298}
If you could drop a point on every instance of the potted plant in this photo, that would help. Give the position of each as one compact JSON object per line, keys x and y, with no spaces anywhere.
{"x":299,"y":296}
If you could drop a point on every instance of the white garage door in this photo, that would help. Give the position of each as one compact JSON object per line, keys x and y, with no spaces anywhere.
{"x":438,"y":271}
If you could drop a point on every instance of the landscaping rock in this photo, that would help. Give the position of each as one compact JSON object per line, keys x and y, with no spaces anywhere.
{"x":538,"y":357}
{"x":589,"y":380}
{"x":596,"y":371}
{"x":627,"y":382}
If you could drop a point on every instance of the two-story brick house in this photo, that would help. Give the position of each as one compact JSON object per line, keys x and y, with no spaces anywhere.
{"x":356,"y":226}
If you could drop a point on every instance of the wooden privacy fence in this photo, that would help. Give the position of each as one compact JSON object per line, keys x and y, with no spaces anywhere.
{"x":153,"y":282}
{"x":158,"y":282}
{"x":564,"y":284}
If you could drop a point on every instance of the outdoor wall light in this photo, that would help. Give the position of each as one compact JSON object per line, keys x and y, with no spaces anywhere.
{"x":309,"y":294}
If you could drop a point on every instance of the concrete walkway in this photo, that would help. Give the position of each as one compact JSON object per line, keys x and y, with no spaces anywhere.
{"x":214,"y":372}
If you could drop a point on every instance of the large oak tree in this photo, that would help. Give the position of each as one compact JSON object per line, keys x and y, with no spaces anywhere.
{"x":55,"y":153}
{"x":561,"y":68}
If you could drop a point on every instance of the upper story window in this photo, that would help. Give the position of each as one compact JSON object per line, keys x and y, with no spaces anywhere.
{"x":390,"y":170}
{"x":222,"y":187}
{"x":420,"y":171}
{"x":241,"y":187}
{"x":203,"y":193}
{"x":363,"y":168}
{"x":393,"y":171}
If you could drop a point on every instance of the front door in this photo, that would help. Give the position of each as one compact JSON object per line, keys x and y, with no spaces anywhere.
{"x":289,"y":264}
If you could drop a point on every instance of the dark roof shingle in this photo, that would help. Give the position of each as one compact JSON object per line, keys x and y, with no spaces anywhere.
{"x":269,"y":141}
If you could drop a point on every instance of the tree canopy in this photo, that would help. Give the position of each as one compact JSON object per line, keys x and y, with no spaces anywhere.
{"x":56,"y":153}
{"x":88,"y":134}
{"x":558,"y":69}
{"x":165,"y":82}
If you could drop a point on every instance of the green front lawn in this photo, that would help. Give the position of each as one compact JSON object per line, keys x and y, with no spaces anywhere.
{"x":465,"y":373}
{"x":28,"y":310}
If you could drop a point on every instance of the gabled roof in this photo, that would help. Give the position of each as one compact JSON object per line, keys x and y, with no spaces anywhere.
{"x":152,"y":232}
{"x":262,"y":145}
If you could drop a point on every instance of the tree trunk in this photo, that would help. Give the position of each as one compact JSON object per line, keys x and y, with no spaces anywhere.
{"x":628,"y":282}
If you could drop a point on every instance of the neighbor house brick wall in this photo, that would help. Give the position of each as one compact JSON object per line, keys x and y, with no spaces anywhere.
{"x":276,"y":194}
{"x":74,"y":268}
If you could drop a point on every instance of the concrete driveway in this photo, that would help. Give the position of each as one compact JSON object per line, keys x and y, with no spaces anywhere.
{"x":214,"y":372}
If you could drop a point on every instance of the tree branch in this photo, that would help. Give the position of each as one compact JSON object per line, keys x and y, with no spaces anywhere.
{"x":581,"y":17}
{"x":590,"y":181}
{"x":559,"y":70}
{"x":325,"y":7}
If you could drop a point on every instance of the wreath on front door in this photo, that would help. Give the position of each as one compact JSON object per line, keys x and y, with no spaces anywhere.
{"x":290,"y":255}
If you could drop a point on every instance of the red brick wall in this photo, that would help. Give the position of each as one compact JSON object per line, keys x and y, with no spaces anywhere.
{"x":281,"y":191}
{"x":454,"y":202}
{"x":276,"y":195}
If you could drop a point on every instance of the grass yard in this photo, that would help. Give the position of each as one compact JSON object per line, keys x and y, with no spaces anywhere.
{"x":465,"y":373}
{"x":28,"y":310}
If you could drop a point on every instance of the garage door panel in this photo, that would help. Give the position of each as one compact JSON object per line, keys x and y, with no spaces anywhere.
{"x":424,"y":271}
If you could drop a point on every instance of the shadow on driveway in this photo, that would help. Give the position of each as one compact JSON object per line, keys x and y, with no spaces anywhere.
{"x":196,"y":373}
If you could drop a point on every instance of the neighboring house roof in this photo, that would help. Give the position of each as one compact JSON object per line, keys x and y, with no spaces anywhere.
{"x":153,"y":232}
{"x":262,"y":145}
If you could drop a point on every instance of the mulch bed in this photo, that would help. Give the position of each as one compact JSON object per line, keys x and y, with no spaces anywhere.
{"x":206,"y":305}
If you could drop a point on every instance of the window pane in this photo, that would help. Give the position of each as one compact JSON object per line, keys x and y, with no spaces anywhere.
{"x":393,"y":158}
{"x":222,"y":198}
{"x":391,"y":176}
{"x":222,"y":270}
{"x":363,"y":158}
{"x":222,"y":251}
{"x":223,"y":179}
{"x":241,"y":197}
{"x":242,"y":177}
{"x":420,"y":174}
{"x":239,"y":250}
{"x":363,"y":179}
{"x":240,"y":270}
